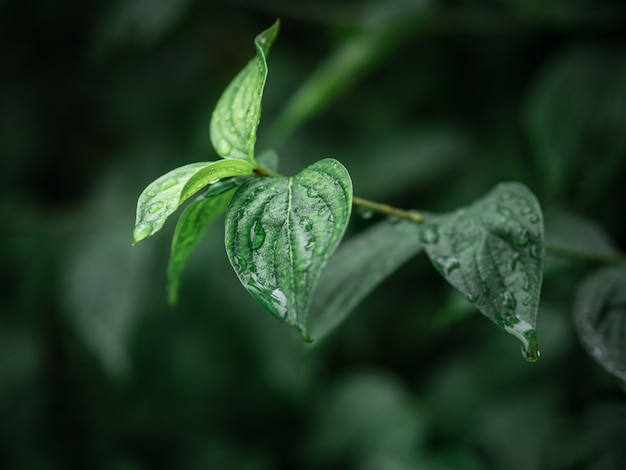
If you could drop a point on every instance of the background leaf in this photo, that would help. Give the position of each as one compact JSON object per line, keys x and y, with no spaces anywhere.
{"x":600,"y":318}
{"x":238,"y":111}
{"x":191,"y":226}
{"x":164,"y":195}
{"x":572,"y":235}
{"x":280,"y":233}
{"x":357,"y":268}
{"x":492,"y":252}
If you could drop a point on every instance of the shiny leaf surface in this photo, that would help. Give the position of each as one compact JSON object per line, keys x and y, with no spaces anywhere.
{"x":280,"y":232}
{"x":164,"y":195}
{"x":238,"y":111}
{"x":492,"y":252}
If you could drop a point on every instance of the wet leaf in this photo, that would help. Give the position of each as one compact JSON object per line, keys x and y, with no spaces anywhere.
{"x":238,"y":111}
{"x":192,"y":225}
{"x":280,"y":233}
{"x":600,"y":318}
{"x":164,"y":195}
{"x":492,"y":252}
{"x":358,"y":267}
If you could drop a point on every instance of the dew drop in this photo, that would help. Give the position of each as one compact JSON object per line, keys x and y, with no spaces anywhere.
{"x":522,"y":238}
{"x":151,"y":193}
{"x":514,"y":261}
{"x":257,"y":235}
{"x":535,"y":250}
{"x":534,"y":218}
{"x":508,"y":300}
{"x":168,"y":183}
{"x":527,"y":336}
{"x":142,"y":231}
{"x":526,"y":284}
{"x":223,"y":147}
{"x":447,"y":265}
{"x":241,"y":263}
{"x":155,"y":207}
{"x":429,"y":235}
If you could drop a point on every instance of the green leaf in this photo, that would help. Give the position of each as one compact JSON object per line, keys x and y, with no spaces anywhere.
{"x":238,"y":111}
{"x":599,"y":317}
{"x":164,"y":195}
{"x":358,"y":267}
{"x":574,"y":236}
{"x":192,"y":225}
{"x":280,"y":233}
{"x":492,"y":252}
{"x":575,"y":121}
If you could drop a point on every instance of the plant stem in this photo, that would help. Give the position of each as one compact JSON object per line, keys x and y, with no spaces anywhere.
{"x":387,"y":210}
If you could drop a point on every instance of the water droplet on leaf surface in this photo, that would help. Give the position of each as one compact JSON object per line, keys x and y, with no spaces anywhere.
{"x":257,"y":235}
{"x":156,"y":207}
{"x":223,"y":147}
{"x":429,"y":235}
{"x":508,"y":300}
{"x":168,"y":183}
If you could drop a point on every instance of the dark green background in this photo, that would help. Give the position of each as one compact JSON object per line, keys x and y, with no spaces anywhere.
{"x":97,"y":99}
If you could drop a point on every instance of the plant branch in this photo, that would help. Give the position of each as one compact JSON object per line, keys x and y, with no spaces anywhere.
{"x":387,"y":210}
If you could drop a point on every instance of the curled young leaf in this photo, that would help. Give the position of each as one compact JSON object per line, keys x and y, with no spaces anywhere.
{"x":238,"y":112}
{"x":280,"y":233}
{"x":492,"y":252}
{"x":164,"y":195}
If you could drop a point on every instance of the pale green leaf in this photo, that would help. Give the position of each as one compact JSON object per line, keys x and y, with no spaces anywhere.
{"x":574,"y":236}
{"x":238,"y":112}
{"x":600,"y":318}
{"x":164,"y":195}
{"x":492,"y":252}
{"x":358,"y":267}
{"x":280,"y":232}
{"x":192,"y":225}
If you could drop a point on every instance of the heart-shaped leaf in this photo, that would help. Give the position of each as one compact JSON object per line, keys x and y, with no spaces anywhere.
{"x":238,"y":111}
{"x":280,"y":233}
{"x":599,"y":316}
{"x":492,"y":252}
{"x":164,"y":195}
{"x":192,"y":225}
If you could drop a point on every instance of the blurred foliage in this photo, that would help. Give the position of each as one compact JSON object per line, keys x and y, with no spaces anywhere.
{"x":98,"y":99}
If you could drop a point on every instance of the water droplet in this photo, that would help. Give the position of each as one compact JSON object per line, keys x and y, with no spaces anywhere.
{"x":534,"y":218}
{"x":151,"y":193}
{"x":257,"y":235}
{"x":505,"y":212}
{"x":527,"y":336}
{"x":525,"y":210}
{"x":168,"y":183}
{"x":527,"y":301}
{"x":526,"y":283}
{"x":506,"y":195}
{"x":508,"y":300}
{"x":429,"y":235}
{"x":447,"y":265}
{"x":142,"y":231}
{"x":223,"y":147}
{"x":241,"y":263}
{"x":535,"y":250}
{"x":471,"y":297}
{"x":156,"y":207}
{"x":522,"y":237}
{"x":514,"y":261}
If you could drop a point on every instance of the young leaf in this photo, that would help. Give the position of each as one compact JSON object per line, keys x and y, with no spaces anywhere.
{"x":358,"y":267}
{"x":238,"y":111}
{"x":280,"y":233}
{"x":164,"y":195}
{"x":192,"y":225}
{"x":599,"y":314}
{"x":492,"y":252}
